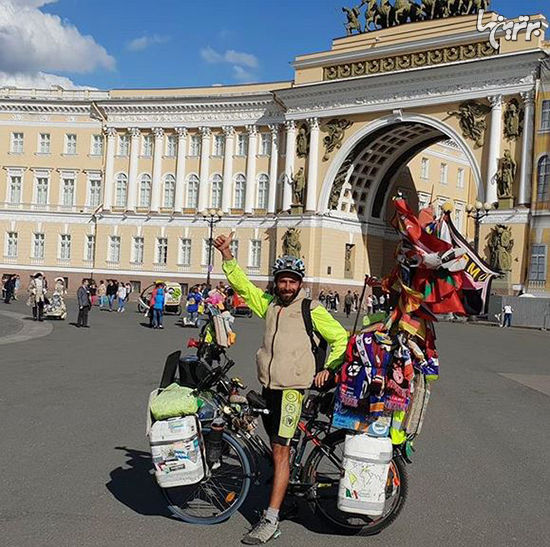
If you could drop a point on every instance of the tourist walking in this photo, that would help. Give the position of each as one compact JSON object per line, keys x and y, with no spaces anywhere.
{"x":9,"y":288}
{"x":112,"y":288}
{"x":157,"y":304}
{"x":84,"y":303}
{"x":37,"y":291}
{"x":193,"y":300}
{"x":370,"y":304}
{"x":121,"y":295}
{"x":348,"y":303}
{"x":507,"y":312}
{"x":102,"y":295}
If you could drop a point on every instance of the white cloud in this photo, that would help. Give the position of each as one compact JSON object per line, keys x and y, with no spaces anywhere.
{"x":38,"y":80}
{"x":143,"y":42}
{"x":33,"y":3}
{"x":210,"y":55}
{"x":242,"y":75}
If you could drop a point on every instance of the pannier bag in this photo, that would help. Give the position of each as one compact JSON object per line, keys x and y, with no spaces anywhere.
{"x":174,"y":401}
{"x":362,"y":487}
{"x":177,"y":451}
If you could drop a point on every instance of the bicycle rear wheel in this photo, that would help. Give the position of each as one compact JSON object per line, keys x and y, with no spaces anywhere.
{"x":324,"y":475}
{"x":218,"y":496}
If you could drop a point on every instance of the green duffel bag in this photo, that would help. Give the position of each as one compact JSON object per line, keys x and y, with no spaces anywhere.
{"x":173,"y":401}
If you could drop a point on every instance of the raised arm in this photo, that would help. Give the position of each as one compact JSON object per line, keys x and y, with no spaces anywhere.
{"x":335,"y":335}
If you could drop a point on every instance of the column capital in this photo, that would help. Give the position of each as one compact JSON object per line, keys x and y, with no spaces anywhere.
{"x":181,"y":132}
{"x":134,"y":131}
{"x":110,"y":132}
{"x":495,"y":100}
{"x":205,"y":132}
{"x":158,"y":132}
{"x":528,"y":96}
{"x":290,"y":125}
{"x":274,"y":128}
{"x":313,"y":123}
{"x":252,"y":130}
{"x":228,"y":130}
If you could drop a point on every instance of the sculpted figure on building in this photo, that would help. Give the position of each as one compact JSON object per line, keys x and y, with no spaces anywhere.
{"x":471,"y":118}
{"x":302,"y":141}
{"x":506,"y":175}
{"x":291,"y":243}
{"x":336,"y":129}
{"x":513,"y":120}
{"x":298,"y":186}
{"x":500,"y":248}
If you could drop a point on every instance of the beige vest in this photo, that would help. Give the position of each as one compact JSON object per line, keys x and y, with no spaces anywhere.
{"x":285,"y":359}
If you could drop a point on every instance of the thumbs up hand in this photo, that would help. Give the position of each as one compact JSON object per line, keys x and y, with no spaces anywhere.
{"x":222,"y":243}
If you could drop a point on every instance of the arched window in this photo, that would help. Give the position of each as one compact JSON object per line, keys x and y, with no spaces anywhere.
{"x":169,"y":191}
{"x":543,"y":179}
{"x":216,"y":201}
{"x":192,"y":192}
{"x":240,"y":190}
{"x":145,"y":191}
{"x":121,"y":190}
{"x":263,"y":190}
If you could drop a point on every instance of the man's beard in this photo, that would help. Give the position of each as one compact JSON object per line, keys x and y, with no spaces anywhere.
{"x":287,"y":298}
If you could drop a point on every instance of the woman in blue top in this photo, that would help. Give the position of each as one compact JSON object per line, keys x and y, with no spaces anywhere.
{"x":158,"y":306}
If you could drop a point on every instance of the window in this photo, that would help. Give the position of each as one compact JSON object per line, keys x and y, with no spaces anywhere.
{"x":65,"y":247}
{"x":171,"y":145}
{"x":219,"y":145}
{"x":543,"y":179}
{"x":15,"y":189}
{"x":145,"y":191}
{"x":193,"y":192}
{"x":242,"y":144}
{"x":38,"y":242}
{"x":169,"y":191}
{"x":137,"y":250}
{"x":11,"y":245}
{"x":460,"y":178}
{"x":443,"y":171}
{"x":537,"y":270}
{"x":68,"y":192}
{"x":263,"y":189}
{"x":185,"y":252}
{"x":121,"y":190}
{"x":545,"y":119}
{"x":217,"y":185}
{"x":44,"y":142}
{"x":70,"y":143}
{"x":265,"y":144}
{"x":123,"y":145}
{"x":94,"y":192}
{"x":89,"y":248}
{"x":240,"y":189}
{"x":234,"y":248}
{"x":425,"y":168}
{"x":114,"y":248}
{"x":42,"y":184}
{"x":96,"y":147}
{"x":147,"y":145}
{"x":162,"y":250}
{"x":255,"y":253}
{"x":195,"y":145}
{"x":459,"y":215}
{"x":17,"y":143}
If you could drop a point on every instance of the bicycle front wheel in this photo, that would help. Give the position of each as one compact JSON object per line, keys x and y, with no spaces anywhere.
{"x":217,"y":496}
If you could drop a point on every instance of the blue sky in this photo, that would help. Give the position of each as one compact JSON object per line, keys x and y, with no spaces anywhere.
{"x":170,"y":43}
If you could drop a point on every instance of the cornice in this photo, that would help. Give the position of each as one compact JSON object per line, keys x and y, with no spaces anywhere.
{"x":507,"y":216}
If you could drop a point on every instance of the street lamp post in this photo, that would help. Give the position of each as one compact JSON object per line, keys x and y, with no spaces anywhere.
{"x":212,"y":217}
{"x":477,"y":212}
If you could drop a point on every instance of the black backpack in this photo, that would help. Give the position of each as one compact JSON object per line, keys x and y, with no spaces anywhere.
{"x":319,"y":350}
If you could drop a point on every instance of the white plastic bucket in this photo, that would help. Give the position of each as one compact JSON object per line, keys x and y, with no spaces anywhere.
{"x":176,"y":449}
{"x":362,"y":487}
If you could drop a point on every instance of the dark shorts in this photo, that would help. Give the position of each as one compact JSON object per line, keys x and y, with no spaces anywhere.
{"x":285,"y":407}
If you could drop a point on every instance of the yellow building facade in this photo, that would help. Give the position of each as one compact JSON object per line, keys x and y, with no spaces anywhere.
{"x":115,"y":184}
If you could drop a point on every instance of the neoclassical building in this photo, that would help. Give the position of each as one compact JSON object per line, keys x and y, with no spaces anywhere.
{"x":116,"y":184}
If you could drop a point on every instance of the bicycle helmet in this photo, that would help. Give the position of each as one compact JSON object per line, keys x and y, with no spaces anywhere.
{"x":289,"y":264}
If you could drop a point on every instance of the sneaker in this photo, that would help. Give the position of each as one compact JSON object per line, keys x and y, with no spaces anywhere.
{"x":263,"y":532}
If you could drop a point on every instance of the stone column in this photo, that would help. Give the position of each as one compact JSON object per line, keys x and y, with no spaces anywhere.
{"x":204,"y":168}
{"x":524,"y":197}
{"x":110,"y":133}
{"x":157,"y":168}
{"x":180,"y":168}
{"x":133,"y":170}
{"x":229,"y":132}
{"x":313,"y":165}
{"x":273,"y":163}
{"x":289,"y":165}
{"x":251,"y":168}
{"x":491,"y":193}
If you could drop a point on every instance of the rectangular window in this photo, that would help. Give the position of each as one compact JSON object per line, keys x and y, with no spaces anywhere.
{"x":234,"y":248}
{"x":425,"y":168}
{"x":124,"y":145}
{"x":459,"y":216}
{"x":70,"y":143}
{"x":242,"y":144}
{"x":94,"y":192}
{"x":65,"y":247}
{"x":265,"y":144}
{"x":42,"y":184}
{"x":171,"y":145}
{"x":44,"y":142}
{"x":219,"y":145}
{"x":89,"y":248}
{"x":11,"y":244}
{"x":162,"y":250}
{"x":255,"y":253}
{"x":137,"y":250}
{"x":17,"y":143}
{"x":68,"y":192}
{"x":148,"y":145}
{"x":537,"y":270}
{"x":460,"y":178}
{"x":545,"y":120}
{"x":185,"y":252}
{"x":195,"y":145}
{"x":38,"y":243}
{"x":114,"y":248}
{"x":169,"y":192}
{"x":97,"y":145}
{"x":15,"y":189}
{"x":206,"y":254}
{"x":443,"y":173}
